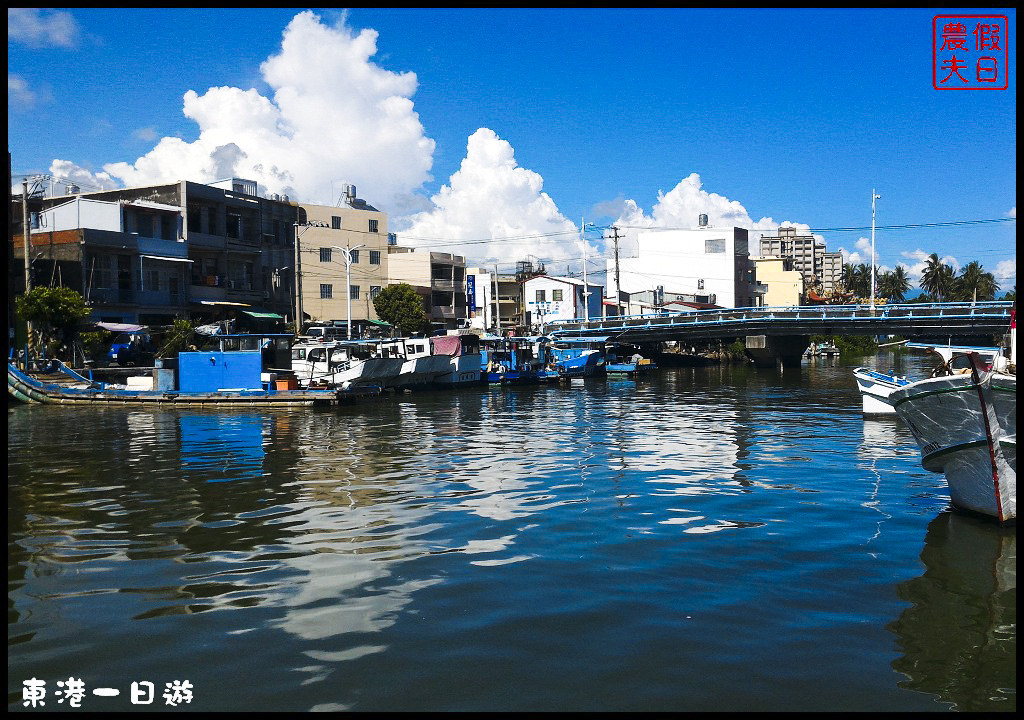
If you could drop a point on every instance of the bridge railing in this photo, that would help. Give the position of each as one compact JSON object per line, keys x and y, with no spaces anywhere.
{"x":879,"y":314}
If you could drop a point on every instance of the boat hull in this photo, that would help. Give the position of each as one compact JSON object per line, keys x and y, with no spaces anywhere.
{"x":966,"y":428}
{"x":30,"y":390}
{"x":876,"y":390}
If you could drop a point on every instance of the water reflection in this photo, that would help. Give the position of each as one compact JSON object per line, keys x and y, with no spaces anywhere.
{"x":959,"y":635}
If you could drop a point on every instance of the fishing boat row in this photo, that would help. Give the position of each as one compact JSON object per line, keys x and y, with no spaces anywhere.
{"x":964,"y":419}
{"x":276,"y":370}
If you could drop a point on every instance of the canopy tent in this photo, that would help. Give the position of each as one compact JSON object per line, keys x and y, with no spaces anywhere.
{"x":121,"y":327}
{"x":263,"y":315}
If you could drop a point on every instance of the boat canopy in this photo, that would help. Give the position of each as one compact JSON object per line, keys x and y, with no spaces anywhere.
{"x":121,"y":327}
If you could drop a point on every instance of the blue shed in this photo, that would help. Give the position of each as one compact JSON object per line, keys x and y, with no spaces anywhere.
{"x":215,"y":370}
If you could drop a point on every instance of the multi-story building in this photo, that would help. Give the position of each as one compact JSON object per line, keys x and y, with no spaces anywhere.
{"x":808,"y":256}
{"x":343,"y":261}
{"x":439,"y":278}
{"x":548,"y":299}
{"x":705,"y":261}
{"x":782,"y":285}
{"x":145,"y":255}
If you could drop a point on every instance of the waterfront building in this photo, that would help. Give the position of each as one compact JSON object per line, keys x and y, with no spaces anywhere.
{"x":709,"y":261}
{"x":147,"y":254}
{"x":783,"y":286}
{"x":344,"y":253}
{"x":820,"y":269}
{"x":439,"y":278}
{"x":548,"y":299}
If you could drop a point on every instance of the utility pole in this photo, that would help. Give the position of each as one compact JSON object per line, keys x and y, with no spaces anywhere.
{"x":618,"y":308}
{"x":298,"y":283}
{"x":497,"y":310}
{"x":28,"y":262}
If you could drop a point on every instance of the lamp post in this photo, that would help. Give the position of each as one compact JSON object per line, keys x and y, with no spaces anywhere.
{"x":873,"y":198}
{"x":586,"y":288}
{"x":347,"y":255}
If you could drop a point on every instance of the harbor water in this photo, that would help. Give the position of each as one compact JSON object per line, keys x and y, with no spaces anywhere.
{"x":704,"y":539}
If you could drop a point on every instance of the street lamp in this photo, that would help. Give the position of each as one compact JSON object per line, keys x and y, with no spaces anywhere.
{"x":873,"y":198}
{"x":347,"y":255}
{"x":586,"y":288}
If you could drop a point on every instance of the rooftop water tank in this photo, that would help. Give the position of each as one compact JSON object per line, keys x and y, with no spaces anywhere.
{"x":702,"y":220}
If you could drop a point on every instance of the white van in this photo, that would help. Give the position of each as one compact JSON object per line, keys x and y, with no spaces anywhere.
{"x":326,"y":332}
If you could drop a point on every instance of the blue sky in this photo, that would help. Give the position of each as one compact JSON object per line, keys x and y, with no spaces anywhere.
{"x":493,"y":133}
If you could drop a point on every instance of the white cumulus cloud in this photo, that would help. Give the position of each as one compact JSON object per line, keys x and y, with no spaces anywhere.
{"x":492,"y":210}
{"x":680,"y":208}
{"x":334,"y":117}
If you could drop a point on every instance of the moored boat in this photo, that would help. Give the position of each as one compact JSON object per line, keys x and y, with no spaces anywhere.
{"x":345,"y":364}
{"x":876,"y":388}
{"x":966,"y":427}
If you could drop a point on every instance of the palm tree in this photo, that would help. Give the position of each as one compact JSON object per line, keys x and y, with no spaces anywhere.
{"x":900,"y":285}
{"x":975,"y":284}
{"x":860,"y":281}
{"x":937,"y":279}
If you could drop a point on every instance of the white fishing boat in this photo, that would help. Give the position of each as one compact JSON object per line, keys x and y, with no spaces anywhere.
{"x":421,"y":367}
{"x":344,"y":364}
{"x":966,"y":426}
{"x":876,"y":387}
{"x":465,"y":361}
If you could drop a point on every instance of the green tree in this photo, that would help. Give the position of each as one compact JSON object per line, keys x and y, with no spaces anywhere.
{"x":402,"y":307}
{"x":55,"y":313}
{"x":894,"y":285}
{"x":975,"y":284}
{"x":1011,"y":294}
{"x":937,"y":279}
{"x":178,"y":338}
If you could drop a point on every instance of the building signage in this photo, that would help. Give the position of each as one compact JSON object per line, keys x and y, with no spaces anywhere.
{"x":471,"y":292}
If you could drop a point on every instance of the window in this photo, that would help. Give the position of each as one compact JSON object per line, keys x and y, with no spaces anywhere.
{"x":325,"y":254}
{"x":373,"y":226}
{"x":556,"y":296}
{"x":211,"y":221}
{"x":355,"y":255}
{"x":234,"y":226}
{"x":154,"y":280}
{"x":353,"y":292}
{"x":194,"y":219}
{"x":335,"y":222}
{"x":375,"y":257}
{"x":144,"y":224}
{"x":374,"y":291}
{"x":326,"y":291}
{"x":540,"y":296}
{"x":714,"y":245}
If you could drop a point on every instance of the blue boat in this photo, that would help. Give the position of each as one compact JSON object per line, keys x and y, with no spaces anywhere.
{"x":626,"y":360}
{"x":577,"y":358}
{"x":509,"y":361}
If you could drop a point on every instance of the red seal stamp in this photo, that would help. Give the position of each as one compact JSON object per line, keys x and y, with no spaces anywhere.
{"x":970,"y":52}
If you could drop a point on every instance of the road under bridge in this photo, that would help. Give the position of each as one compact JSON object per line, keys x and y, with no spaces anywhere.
{"x":779,"y":335}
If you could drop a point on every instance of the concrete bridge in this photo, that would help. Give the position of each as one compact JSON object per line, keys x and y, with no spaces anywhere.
{"x":779,"y":335}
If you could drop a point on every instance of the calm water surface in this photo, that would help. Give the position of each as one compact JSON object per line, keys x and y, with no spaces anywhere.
{"x":716,"y":538}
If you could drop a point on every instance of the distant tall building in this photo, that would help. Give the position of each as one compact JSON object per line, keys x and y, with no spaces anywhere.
{"x":818,"y":268}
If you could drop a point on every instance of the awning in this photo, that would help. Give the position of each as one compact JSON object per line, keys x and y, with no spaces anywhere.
{"x":170,"y":259}
{"x":263,"y":315}
{"x":378,"y":323}
{"x":120,"y":327}
{"x":223,"y":302}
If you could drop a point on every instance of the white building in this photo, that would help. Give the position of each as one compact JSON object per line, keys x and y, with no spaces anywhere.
{"x":711,"y":261}
{"x":547,"y":299}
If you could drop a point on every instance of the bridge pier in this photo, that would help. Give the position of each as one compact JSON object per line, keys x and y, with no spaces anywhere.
{"x":779,"y":351}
